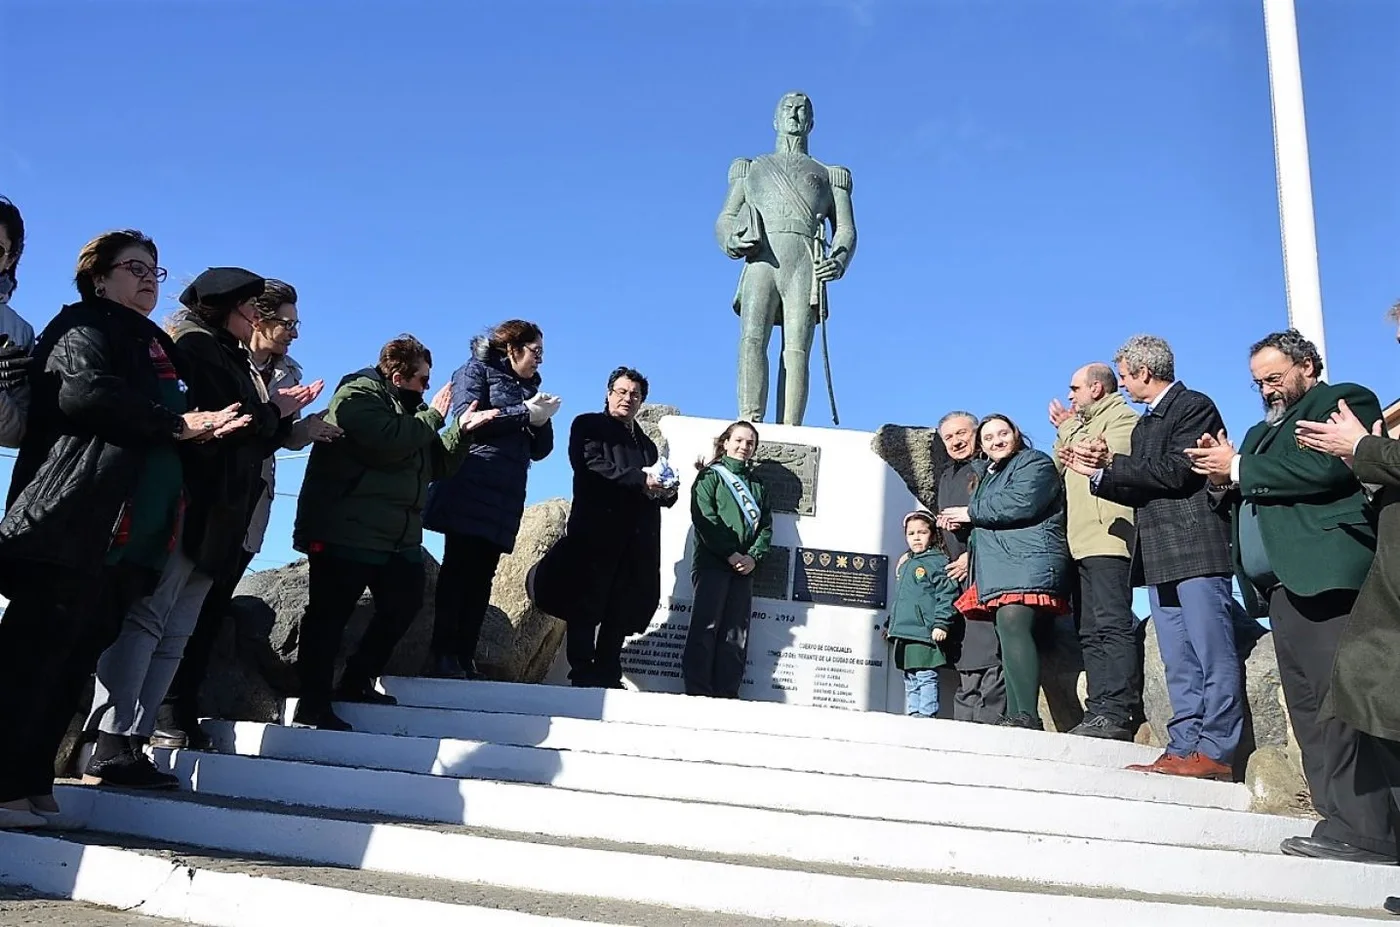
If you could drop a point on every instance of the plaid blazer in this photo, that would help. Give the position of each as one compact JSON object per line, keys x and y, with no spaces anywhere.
{"x":1179,"y":535}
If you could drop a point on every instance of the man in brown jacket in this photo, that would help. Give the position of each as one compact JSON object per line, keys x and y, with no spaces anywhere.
{"x":1101,"y":543}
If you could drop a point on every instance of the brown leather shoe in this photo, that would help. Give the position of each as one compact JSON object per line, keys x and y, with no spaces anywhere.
{"x":1163,"y":764}
{"x":1200,"y":766}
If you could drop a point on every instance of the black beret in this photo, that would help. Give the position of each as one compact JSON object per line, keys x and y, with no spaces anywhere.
{"x":222,"y":286}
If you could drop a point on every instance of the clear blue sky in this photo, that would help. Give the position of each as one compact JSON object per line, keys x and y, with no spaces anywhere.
{"x":1034,"y":181}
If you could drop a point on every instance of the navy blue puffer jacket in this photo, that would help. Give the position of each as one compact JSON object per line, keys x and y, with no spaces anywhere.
{"x":486,"y":497}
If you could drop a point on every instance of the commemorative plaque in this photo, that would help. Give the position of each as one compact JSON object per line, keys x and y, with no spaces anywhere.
{"x":840,"y":577}
{"x":789,"y":474}
{"x":770,"y":580}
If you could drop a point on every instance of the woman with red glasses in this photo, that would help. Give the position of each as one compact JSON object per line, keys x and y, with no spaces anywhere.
{"x":93,"y":503}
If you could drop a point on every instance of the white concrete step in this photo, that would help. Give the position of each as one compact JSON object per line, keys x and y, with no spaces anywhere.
{"x":996,"y":861}
{"x":495,"y":744}
{"x":712,"y":714}
{"x":24,"y":906}
{"x":143,"y":883}
{"x":711,"y":827}
{"x":717,"y":783}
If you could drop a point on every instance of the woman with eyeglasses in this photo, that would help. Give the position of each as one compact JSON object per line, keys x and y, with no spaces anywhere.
{"x":222,"y":482}
{"x":276,"y":325}
{"x":478,"y":509}
{"x":16,"y":335}
{"x":94,"y":503}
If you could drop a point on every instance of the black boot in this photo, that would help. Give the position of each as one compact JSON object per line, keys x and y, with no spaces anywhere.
{"x":310,"y":714}
{"x":446,"y":666}
{"x":353,"y":689}
{"x":177,"y":728}
{"x":118,"y":761}
{"x":1023,"y":721}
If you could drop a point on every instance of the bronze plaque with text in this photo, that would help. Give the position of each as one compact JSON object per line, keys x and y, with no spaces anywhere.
{"x":789,"y":474}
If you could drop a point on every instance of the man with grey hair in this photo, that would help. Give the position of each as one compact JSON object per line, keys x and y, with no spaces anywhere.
{"x":1303,"y":543}
{"x":1101,"y":542}
{"x":981,"y":695}
{"x":1182,"y":554}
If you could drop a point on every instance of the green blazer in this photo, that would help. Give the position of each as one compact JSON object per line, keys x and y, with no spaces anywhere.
{"x":1312,"y":511}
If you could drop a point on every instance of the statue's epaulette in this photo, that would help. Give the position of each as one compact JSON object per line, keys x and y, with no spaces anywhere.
{"x":739,"y":169}
{"x":840,"y":177}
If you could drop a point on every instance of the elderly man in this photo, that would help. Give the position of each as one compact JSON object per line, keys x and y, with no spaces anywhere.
{"x":981,"y":695}
{"x":1182,"y":553}
{"x":1101,"y":542}
{"x":1303,"y":545}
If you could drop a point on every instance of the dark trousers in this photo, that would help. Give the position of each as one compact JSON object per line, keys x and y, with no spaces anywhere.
{"x":981,"y":695}
{"x":1108,"y":639}
{"x":462,"y":595}
{"x":51,"y":635}
{"x":183,"y":697}
{"x":595,"y":651}
{"x":336,"y":585}
{"x":1306,"y":631}
{"x":1379,"y":763}
{"x":717,"y":644}
{"x":606,"y":612}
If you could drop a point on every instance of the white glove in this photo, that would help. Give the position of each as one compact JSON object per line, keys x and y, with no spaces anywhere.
{"x":542,"y":407}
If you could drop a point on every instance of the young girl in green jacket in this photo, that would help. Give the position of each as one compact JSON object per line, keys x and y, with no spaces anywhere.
{"x":733,"y":530}
{"x":922,"y":614}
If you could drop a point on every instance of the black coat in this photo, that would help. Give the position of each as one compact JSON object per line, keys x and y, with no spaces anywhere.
{"x":1363,"y":692}
{"x":94,"y":413}
{"x":485,"y":498}
{"x":223,"y":477}
{"x":1179,"y":535}
{"x":609,"y":562}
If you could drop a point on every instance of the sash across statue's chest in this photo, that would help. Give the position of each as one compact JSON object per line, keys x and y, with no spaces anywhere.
{"x":795,"y":188}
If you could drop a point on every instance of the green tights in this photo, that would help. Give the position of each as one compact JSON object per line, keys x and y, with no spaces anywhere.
{"x":1020,"y":663}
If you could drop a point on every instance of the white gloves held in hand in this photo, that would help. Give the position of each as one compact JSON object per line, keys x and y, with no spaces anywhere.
{"x":542,"y":407}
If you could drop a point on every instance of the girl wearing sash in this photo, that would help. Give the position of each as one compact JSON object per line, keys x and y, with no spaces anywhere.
{"x":733,"y":530}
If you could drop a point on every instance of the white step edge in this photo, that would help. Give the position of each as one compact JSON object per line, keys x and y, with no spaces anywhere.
{"x":693,"y":825}
{"x":801,"y":754}
{"x":1073,"y":864}
{"x":715,"y":783}
{"x":718,"y":714}
{"x":144,"y":884}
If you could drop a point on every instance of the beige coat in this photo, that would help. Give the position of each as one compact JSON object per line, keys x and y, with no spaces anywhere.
{"x":1097,"y":527}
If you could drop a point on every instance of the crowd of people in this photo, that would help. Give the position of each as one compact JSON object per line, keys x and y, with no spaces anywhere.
{"x":1297,"y":515}
{"x":146,"y":472}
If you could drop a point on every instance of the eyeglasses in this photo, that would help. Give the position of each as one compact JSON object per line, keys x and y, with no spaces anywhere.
{"x":629,"y":394}
{"x":1273,"y":380}
{"x":140,"y":270}
{"x":291,"y":325}
{"x":536,"y":350}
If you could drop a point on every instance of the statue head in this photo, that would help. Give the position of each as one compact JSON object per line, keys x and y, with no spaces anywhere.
{"x":794,"y":115}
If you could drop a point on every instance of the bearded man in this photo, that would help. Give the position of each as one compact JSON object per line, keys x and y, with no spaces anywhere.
{"x":1302,"y":545}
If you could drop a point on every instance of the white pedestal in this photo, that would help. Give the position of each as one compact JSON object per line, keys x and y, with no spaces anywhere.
{"x":800,"y":652}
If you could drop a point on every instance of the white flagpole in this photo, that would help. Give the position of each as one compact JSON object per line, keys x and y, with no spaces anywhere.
{"x":1295,"y":208}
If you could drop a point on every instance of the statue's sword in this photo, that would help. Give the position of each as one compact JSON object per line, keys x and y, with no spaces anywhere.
{"x":819,"y":251}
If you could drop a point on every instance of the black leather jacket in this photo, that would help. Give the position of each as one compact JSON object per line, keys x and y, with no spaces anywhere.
{"x":93,"y":415}
{"x":223,"y":477}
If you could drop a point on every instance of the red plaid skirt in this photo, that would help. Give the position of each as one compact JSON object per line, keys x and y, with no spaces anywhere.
{"x":970,"y":606}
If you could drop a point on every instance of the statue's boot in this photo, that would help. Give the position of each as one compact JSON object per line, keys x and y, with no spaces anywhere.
{"x":753,"y":379}
{"x":794,"y":387}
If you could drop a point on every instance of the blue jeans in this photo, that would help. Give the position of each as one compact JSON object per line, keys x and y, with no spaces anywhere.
{"x":1194,"y":619}
{"x":921,"y":693}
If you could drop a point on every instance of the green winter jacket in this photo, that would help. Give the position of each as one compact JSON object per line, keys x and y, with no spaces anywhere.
{"x":923,"y":601}
{"x":365,"y":491}
{"x":720,"y":530}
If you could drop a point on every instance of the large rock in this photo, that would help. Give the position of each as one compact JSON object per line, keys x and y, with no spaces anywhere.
{"x":916,"y":454}
{"x":251,"y":672}
{"x":649,"y":417}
